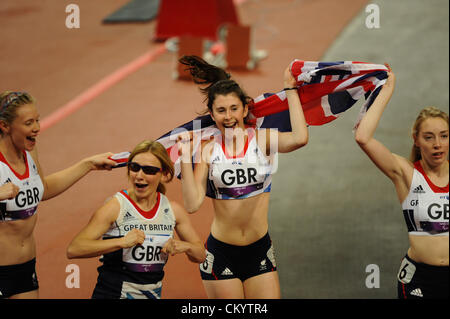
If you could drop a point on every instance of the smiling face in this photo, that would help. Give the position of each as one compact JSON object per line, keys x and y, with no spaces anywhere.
{"x":145,"y":185}
{"x":432,"y":140}
{"x":228,"y":112}
{"x":24,"y":129}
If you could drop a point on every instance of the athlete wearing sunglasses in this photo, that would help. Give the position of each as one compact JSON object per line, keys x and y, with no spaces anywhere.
{"x":134,"y":231}
{"x":147,"y":169}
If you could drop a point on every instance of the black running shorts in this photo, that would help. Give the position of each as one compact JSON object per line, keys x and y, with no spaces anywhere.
{"x":17,"y":279}
{"x":422,"y":281}
{"x":225,"y":261}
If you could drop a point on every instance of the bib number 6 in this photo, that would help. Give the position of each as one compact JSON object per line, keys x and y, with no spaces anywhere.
{"x":406,"y":271}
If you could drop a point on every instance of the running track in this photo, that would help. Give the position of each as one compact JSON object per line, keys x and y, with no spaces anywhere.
{"x":58,"y":65}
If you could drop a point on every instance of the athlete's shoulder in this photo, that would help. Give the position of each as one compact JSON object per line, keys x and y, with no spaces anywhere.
{"x":112,"y":203}
{"x":178,"y":209}
{"x":175,"y":205}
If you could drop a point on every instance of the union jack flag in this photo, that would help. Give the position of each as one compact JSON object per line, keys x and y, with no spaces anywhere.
{"x":326,"y":89}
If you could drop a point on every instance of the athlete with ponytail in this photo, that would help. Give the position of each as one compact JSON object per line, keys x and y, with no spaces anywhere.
{"x":237,"y":166}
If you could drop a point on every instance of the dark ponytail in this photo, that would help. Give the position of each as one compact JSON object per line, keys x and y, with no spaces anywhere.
{"x":202,"y":72}
{"x":218,"y":79}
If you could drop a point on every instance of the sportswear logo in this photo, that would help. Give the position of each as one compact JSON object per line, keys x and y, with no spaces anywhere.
{"x":227,"y":272}
{"x":128,"y":216}
{"x":418,"y":190}
{"x":416,"y":292}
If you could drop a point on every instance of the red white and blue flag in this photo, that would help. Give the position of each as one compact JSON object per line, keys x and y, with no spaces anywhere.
{"x":326,"y":89}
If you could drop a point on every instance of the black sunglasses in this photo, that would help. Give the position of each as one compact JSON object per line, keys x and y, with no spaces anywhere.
{"x":148,"y":170}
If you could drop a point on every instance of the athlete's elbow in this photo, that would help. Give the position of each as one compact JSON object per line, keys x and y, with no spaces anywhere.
{"x":192,"y":209}
{"x":199,"y":257}
{"x":303,"y":141}
{"x":202,"y":256}
{"x":73,"y":252}
{"x":361,"y":139}
{"x":192,"y":206}
{"x":197,"y":260}
{"x":299,"y":142}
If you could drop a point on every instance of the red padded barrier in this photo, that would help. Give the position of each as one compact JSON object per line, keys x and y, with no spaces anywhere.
{"x":197,"y":18}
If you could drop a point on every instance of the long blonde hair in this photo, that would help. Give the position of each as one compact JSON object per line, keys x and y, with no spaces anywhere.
{"x":158,"y":150}
{"x":428,"y":112}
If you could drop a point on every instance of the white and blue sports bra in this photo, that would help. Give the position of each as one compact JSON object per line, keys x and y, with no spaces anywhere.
{"x":237,"y":177}
{"x":31,"y":190}
{"x":426,"y":208}
{"x":158,"y":224}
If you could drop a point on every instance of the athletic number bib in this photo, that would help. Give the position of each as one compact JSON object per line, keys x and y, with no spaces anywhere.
{"x":148,"y":256}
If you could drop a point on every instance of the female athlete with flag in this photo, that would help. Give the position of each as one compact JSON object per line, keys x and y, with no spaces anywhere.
{"x":422,"y":189}
{"x":23,"y":186}
{"x":237,"y":166}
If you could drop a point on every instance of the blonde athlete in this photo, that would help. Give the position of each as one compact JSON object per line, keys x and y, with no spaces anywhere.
{"x":22,"y":187}
{"x":134,"y":231}
{"x":422,"y":189}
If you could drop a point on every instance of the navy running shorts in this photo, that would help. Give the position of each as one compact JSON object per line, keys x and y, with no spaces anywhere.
{"x":225,"y":261}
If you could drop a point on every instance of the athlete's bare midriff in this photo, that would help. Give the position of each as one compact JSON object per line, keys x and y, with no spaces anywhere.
{"x":17,"y":244}
{"x":431,"y":250}
{"x":241,"y":222}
